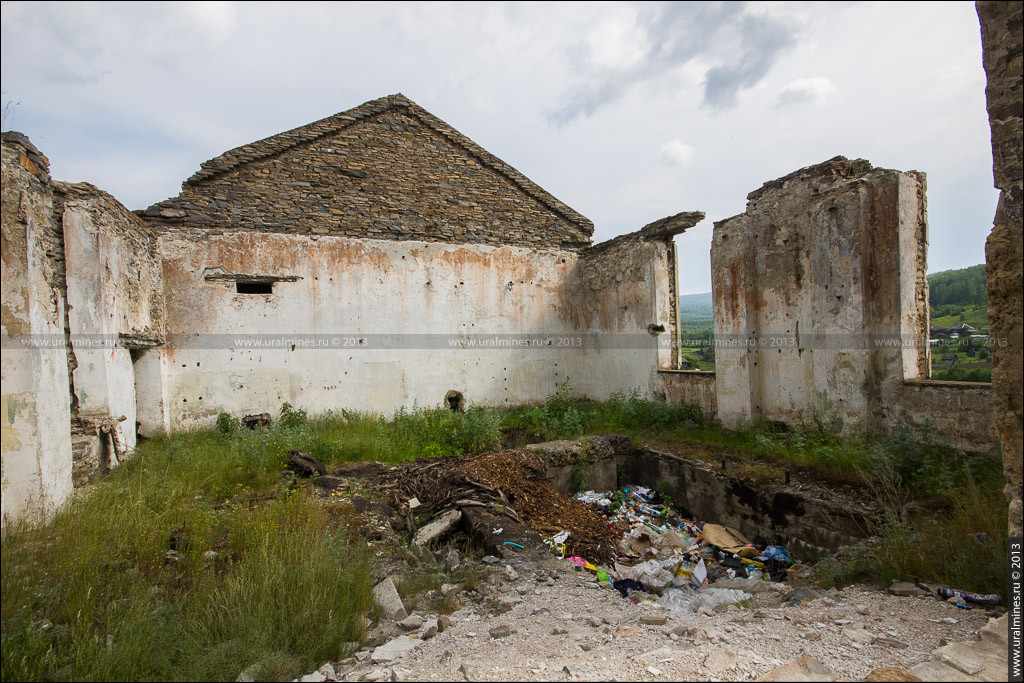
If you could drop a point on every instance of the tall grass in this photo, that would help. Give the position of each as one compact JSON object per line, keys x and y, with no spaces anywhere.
{"x":101,"y":593}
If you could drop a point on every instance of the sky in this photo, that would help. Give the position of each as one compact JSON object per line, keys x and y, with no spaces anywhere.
{"x":627,"y":112}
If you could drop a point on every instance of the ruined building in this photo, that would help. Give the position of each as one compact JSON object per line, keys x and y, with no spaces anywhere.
{"x":379,"y":258}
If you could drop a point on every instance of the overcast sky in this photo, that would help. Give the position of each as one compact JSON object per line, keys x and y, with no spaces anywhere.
{"x":627,"y":112}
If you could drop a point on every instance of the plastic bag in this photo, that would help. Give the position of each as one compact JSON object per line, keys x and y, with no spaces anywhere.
{"x":688,"y":600}
{"x":713,"y":597}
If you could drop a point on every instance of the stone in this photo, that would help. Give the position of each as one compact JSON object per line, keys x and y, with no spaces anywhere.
{"x":411,"y":622}
{"x":500,"y":632}
{"x":652,"y":620}
{"x":430,"y":629}
{"x":806,"y":668}
{"x":449,"y":588}
{"x":437,"y":528}
{"x":467,"y":671}
{"x":905,"y":589}
{"x":394,"y":649}
{"x":315,"y":677}
{"x":385,"y":594}
{"x":328,"y":671}
{"x":444,"y":623}
{"x":248,"y":674}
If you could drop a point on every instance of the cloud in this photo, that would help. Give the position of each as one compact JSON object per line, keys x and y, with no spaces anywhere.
{"x":764,"y":39}
{"x":657,"y":41}
{"x":814,"y":90}
{"x":677,"y":152}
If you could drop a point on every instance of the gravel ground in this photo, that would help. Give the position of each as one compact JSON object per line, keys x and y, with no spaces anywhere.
{"x":562,"y":625}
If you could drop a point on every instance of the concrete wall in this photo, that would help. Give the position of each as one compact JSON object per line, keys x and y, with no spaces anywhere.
{"x":624,"y":298}
{"x":819,"y":292}
{"x":1003,"y":56}
{"x":692,"y":388}
{"x":35,"y":410}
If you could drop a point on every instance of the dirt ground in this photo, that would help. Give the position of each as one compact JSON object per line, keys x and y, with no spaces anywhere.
{"x":532,"y":616}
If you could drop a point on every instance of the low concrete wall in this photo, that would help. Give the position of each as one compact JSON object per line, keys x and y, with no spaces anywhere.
{"x":962,"y":413}
{"x":805,"y":519}
{"x":689,"y":387}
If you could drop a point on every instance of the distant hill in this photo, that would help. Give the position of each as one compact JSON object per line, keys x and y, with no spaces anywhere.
{"x":963,"y":287}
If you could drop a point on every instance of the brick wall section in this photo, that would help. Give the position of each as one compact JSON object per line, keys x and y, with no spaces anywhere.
{"x":387,"y":169}
{"x":1003,"y":57}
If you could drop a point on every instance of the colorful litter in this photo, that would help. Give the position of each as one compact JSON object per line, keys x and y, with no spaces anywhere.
{"x":665,"y":555}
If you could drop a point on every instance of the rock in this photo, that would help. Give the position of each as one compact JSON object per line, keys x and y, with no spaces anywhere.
{"x":394,"y":649}
{"x":890,"y":642}
{"x":451,"y":559}
{"x":248,"y":674}
{"x":305,"y":465}
{"x":448,"y":588}
{"x":510,"y":573}
{"x":500,"y":632}
{"x":437,"y":528}
{"x":887,"y":674}
{"x":430,"y":629}
{"x":328,"y":671}
{"x":315,"y":677}
{"x":720,"y":661}
{"x":652,"y":620}
{"x":863,"y":610}
{"x":444,"y":623}
{"x":905,"y":589}
{"x":468,"y":672}
{"x":411,"y":623}
{"x":386,"y":595}
{"x":806,"y":668}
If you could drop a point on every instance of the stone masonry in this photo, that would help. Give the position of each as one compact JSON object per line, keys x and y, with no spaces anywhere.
{"x":1004,"y":252}
{"x":387,"y":169}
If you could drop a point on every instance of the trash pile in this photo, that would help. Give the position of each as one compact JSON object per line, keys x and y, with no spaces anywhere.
{"x":663,"y":553}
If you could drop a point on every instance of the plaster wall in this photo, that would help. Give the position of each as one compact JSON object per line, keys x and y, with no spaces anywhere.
{"x":35,"y":410}
{"x":814,"y":287}
{"x":376,"y":324}
{"x":115,"y":295}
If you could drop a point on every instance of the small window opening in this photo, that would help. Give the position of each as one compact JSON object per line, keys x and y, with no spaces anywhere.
{"x":254,"y":287}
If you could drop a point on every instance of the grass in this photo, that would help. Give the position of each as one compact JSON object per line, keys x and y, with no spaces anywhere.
{"x":166,"y":570}
{"x":199,"y":548}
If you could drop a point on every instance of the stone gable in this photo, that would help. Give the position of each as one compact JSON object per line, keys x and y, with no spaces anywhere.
{"x":386,"y":170}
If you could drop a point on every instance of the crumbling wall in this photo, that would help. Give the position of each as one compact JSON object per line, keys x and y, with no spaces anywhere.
{"x":115,"y":300}
{"x":35,"y":412}
{"x":960,"y":413}
{"x":623,"y":301}
{"x":387,"y":169}
{"x":358,"y":324}
{"x":1004,"y":63}
{"x":690,"y":387}
{"x":819,"y":292}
